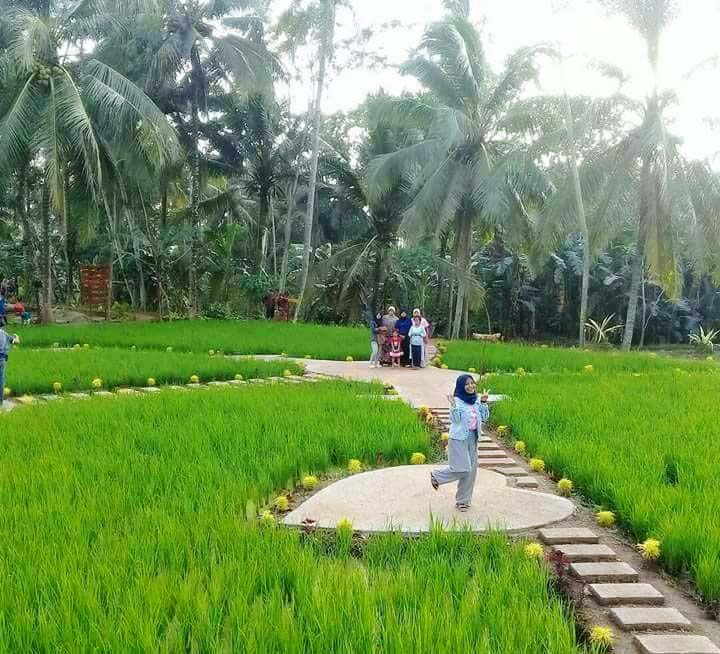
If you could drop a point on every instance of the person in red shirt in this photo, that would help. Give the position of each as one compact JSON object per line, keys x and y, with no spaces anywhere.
{"x":396,"y":350}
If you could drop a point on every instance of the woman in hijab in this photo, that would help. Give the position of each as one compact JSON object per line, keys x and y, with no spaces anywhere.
{"x":376,"y":336}
{"x":467,"y":413}
{"x":403,"y":326}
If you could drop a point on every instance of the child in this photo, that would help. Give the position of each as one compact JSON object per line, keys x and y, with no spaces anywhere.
{"x":6,"y":342}
{"x":396,"y":348}
{"x":26,"y":317}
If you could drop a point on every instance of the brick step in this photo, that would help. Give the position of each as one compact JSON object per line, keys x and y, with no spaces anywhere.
{"x":496,"y":463}
{"x":515,"y":471}
{"x":617,"y":594}
{"x":487,"y":445}
{"x":675,"y":644}
{"x":604,"y":572}
{"x":643,"y":618}
{"x":586,"y":553}
{"x":491,"y":454}
{"x":558,"y":535}
{"x":526,"y":482}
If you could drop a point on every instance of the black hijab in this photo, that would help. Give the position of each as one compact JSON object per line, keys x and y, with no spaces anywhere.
{"x":460,"y":392}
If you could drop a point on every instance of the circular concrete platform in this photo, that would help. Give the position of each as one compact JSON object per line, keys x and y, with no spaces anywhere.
{"x":402,"y":499}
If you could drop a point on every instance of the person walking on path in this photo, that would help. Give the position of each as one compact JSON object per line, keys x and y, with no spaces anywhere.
{"x":403,"y":326}
{"x":6,"y":342}
{"x":467,"y":414}
{"x":418,"y":339}
{"x":375,"y":328}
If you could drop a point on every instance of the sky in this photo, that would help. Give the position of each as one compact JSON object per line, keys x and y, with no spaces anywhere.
{"x":579,"y":28}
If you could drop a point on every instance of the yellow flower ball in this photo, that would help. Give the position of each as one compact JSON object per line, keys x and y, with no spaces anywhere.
{"x":97,"y":383}
{"x":310,"y":482}
{"x":168,"y":349}
{"x":588,"y":368}
{"x":238,"y":377}
{"x":391,"y":391}
{"x":605,"y":518}
{"x":601,"y":637}
{"x":56,"y":345}
{"x":76,"y":346}
{"x":650,"y":549}
{"x":354,"y":466}
{"x":308,"y":356}
{"x":423,"y":410}
{"x":565,"y":486}
{"x":86,"y":345}
{"x":537,"y":465}
{"x":282,"y":503}
{"x":520,"y":372}
{"x":520,"y":447}
{"x":57,"y":387}
{"x":287,"y":373}
{"x":445,"y":437}
{"x":211,"y":353}
{"x":534,"y":551}
{"x":267,"y":519}
{"x":194,"y":379}
{"x":283,"y":354}
{"x":444,"y":366}
{"x":349,"y":359}
{"x":133,"y":348}
{"x":151,"y":381}
{"x":418,"y":459}
{"x":502,"y":430}
{"x":709,"y":358}
{"x":472,"y":371}
{"x":344,"y":525}
{"x":7,"y":391}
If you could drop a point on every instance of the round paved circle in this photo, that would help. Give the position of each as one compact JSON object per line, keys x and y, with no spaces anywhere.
{"x":402,"y":499}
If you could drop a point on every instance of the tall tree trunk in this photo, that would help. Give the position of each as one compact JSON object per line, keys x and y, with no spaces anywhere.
{"x":137,"y":256}
{"x":378,"y":279}
{"x":326,"y":45}
{"x":28,"y":238}
{"x":46,"y":315}
{"x":274,"y":237}
{"x":65,"y":240}
{"x":464,"y":235}
{"x":288,"y":230}
{"x":636,"y":280}
{"x":195,"y":241}
{"x":161,"y":263}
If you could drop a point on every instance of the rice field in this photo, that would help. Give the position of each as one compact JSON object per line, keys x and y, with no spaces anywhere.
{"x":643,"y":445}
{"x":230,"y":336}
{"x":129,"y":525}
{"x":508,"y":357}
{"x":35,"y":371}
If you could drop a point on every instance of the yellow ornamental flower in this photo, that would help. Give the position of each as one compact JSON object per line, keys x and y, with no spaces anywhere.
{"x":445,"y":437}
{"x":429,"y":418}
{"x":601,"y":638}
{"x":344,"y":525}
{"x":537,"y":465}
{"x":267,"y":519}
{"x":308,"y":356}
{"x":605,"y":518}
{"x":7,"y":391}
{"x":168,"y":349}
{"x":418,"y":459}
{"x":472,"y":371}
{"x":97,"y":383}
{"x":565,"y":486}
{"x":349,"y":359}
{"x":520,"y":372}
{"x":194,"y":379}
{"x":444,"y":366}
{"x":76,"y":346}
{"x":534,"y":551}
{"x":354,"y":466}
{"x":650,"y":549}
{"x":56,"y":345}
{"x":151,"y":381}
{"x":502,"y":430}
{"x":57,"y":387}
{"x":283,"y":354}
{"x":709,"y":358}
{"x":211,"y":353}
{"x":423,"y":410}
{"x":133,"y":348}
{"x":238,"y":377}
{"x":588,"y":368}
{"x":391,"y":391}
{"x":310,"y":482}
{"x":282,"y":503}
{"x":86,"y":345}
{"x":287,"y":373}
{"x":520,"y":447}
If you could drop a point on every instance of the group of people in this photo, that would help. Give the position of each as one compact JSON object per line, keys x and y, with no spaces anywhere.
{"x":6,"y":342}
{"x":277,"y":306}
{"x":11,"y":303}
{"x":399,"y":340}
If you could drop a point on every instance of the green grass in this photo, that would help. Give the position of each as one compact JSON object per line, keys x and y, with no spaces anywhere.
{"x":643,"y":445}
{"x":127,"y":525}
{"x":236,"y":337}
{"x":507,"y":357}
{"x":35,"y":371}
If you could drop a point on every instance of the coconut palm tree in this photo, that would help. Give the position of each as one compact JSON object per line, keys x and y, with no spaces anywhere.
{"x":193,"y":47}
{"x":60,"y":108}
{"x":467,"y":168}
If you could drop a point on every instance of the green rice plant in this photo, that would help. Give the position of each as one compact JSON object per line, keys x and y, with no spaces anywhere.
{"x":35,"y":371}
{"x":507,"y":357}
{"x":229,"y":336}
{"x":642,"y":445}
{"x":129,"y":524}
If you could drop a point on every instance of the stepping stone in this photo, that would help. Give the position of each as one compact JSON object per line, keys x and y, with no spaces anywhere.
{"x":641,"y":618}
{"x":176,"y":388}
{"x":614,"y":594}
{"x":675,"y":644}
{"x":603,"y":572}
{"x":195,"y":386}
{"x":25,"y":399}
{"x":78,"y":396}
{"x":237,"y":382}
{"x":103,"y":394}
{"x":581,"y":552}
{"x":495,"y":453}
{"x":557,"y":535}
{"x":496,"y":463}
{"x":515,"y":471}
{"x":126,"y":391}
{"x":489,"y":446}
{"x":149,"y":389}
{"x":526,"y":482}
{"x":486,"y":439}
{"x":50,"y":398}
{"x":218,"y":383}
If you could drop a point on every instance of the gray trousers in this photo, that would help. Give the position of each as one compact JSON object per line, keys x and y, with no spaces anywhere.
{"x":466,"y":480}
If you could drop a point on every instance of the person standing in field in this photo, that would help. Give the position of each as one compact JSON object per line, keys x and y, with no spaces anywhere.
{"x":6,"y":342}
{"x":403,"y":326}
{"x":418,"y":338}
{"x":269,"y":302}
{"x":467,"y":413}
{"x":376,"y":326}
{"x":426,"y":326}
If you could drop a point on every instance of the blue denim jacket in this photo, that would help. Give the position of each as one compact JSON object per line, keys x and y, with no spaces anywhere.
{"x":460,"y":418}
